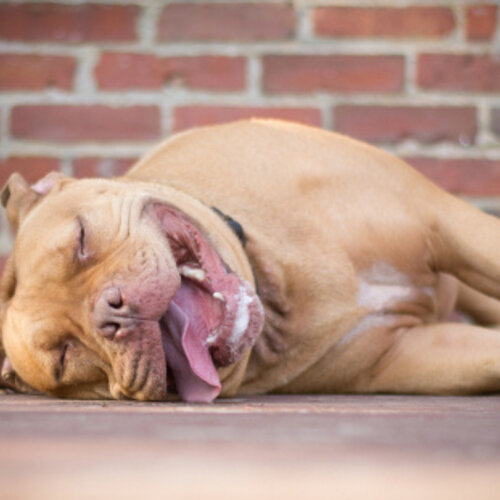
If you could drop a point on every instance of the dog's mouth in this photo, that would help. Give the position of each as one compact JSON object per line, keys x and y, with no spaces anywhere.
{"x":213,"y":318}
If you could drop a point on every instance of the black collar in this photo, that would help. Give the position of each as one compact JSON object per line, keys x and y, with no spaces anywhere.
{"x":234,"y":225}
{"x":237,"y":228}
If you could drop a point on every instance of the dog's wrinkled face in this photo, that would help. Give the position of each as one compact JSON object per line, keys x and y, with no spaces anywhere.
{"x":111,"y":292}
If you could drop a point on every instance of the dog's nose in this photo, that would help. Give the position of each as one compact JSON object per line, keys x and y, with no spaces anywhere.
{"x":111,"y":313}
{"x":113,"y":297}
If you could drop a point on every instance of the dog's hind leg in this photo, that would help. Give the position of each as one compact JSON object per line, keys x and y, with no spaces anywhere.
{"x":442,"y":358}
{"x":466,"y":244}
{"x":445,"y":357}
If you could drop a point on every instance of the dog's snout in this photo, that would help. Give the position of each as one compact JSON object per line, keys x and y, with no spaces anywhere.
{"x":111,"y":314}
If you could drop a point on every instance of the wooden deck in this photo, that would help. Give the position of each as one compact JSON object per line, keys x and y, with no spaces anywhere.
{"x":273,"y":447}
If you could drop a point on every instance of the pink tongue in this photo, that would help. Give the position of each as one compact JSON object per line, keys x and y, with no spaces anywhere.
{"x":195,"y":375}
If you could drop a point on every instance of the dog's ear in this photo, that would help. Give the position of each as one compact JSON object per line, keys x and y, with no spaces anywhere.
{"x":18,"y":197}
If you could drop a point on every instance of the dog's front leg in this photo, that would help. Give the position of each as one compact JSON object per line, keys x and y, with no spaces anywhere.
{"x":442,"y":358}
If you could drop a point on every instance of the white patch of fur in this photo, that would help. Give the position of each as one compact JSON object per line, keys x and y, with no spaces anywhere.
{"x":366,"y":323}
{"x":382,"y":286}
{"x":379,"y":289}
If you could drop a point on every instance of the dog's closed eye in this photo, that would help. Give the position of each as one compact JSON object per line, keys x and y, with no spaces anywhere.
{"x":83,"y":253}
{"x":61,"y":364}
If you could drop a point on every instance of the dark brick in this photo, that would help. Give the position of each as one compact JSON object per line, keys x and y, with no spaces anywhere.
{"x":406,"y":22}
{"x":226,"y":22}
{"x":85,"y":123}
{"x":390,"y":124}
{"x":57,"y":22}
{"x":334,"y":73}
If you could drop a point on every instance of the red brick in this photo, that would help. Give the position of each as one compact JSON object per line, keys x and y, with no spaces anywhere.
{"x":191,"y":116}
{"x":94,"y":167}
{"x":32,"y":168}
{"x":390,"y":124}
{"x":473,"y":177}
{"x":459,"y":72}
{"x":85,"y":123}
{"x":225,"y":22}
{"x":35,"y":72}
{"x":147,"y":71}
{"x":68,"y":23}
{"x":481,"y":21}
{"x":407,"y":22}
{"x":335,"y":73}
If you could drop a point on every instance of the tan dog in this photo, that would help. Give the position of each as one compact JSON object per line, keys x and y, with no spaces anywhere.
{"x":135,"y":287}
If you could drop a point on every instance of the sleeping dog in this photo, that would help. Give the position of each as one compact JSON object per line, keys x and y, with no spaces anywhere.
{"x":258,"y":256}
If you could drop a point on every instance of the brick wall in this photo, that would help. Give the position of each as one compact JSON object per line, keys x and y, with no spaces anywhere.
{"x":88,"y":87}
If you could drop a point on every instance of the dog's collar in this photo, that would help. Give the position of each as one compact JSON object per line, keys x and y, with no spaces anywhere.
{"x":235,"y":226}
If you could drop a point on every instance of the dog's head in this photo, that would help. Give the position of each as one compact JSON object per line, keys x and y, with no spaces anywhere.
{"x":112,"y":290}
